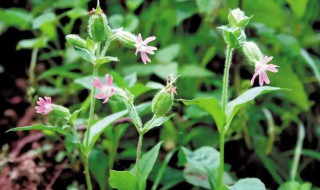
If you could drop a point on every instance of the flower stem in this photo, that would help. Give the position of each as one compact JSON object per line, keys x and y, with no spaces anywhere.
{"x":32,"y":66}
{"x":224,"y":105}
{"x":221,"y":167}
{"x":226,"y":78}
{"x":139,"y":153}
{"x":297,"y":152}
{"x":86,"y":171}
{"x":92,"y":106}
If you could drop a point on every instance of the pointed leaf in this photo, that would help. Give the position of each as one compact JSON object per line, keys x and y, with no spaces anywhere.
{"x":98,"y":165}
{"x":101,"y":125}
{"x":75,"y":114}
{"x":234,"y":106}
{"x":146,"y":164}
{"x":106,"y":59}
{"x":156,"y":122}
{"x":248,"y":184}
{"x":212,"y":106}
{"x":39,"y":127}
{"x":123,"y":180}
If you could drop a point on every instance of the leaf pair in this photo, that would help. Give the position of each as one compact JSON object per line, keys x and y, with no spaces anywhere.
{"x":223,"y":119}
{"x":128,"y":180}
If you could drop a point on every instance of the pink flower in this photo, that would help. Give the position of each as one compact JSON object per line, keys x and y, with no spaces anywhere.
{"x":106,"y":90}
{"x":45,"y":105}
{"x":261,"y":69}
{"x":142,"y":47}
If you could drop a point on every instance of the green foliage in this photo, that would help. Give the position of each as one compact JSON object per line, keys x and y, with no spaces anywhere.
{"x":247,"y":184}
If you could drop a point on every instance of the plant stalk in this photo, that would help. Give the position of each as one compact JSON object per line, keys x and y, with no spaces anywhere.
{"x":33,"y":62}
{"x":92,"y":106}
{"x":221,"y":166}
{"x":224,"y":105}
{"x":139,"y":152}
{"x":226,"y":78}
{"x":87,"y":172}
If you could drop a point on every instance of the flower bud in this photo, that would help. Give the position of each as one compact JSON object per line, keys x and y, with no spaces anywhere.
{"x":252,"y":52}
{"x":126,"y":38}
{"x":98,"y":28}
{"x":76,"y":41}
{"x":60,"y":112}
{"x":162,"y":102}
{"x":237,"y":18}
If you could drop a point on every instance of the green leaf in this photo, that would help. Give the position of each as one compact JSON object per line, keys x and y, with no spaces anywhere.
{"x":248,"y":184}
{"x":298,"y":95}
{"x":298,"y":6}
{"x":156,"y":122}
{"x":32,"y":43}
{"x":133,"y":4}
{"x":146,"y":164}
{"x":206,"y":7}
{"x":168,"y":54}
{"x":89,"y":44}
{"x":212,"y":106}
{"x":123,"y":180}
{"x":139,"y":89}
{"x":16,"y":17}
{"x":129,"y":22}
{"x":75,"y":114}
{"x":76,"y":13}
{"x":234,"y":106}
{"x":98,"y":165}
{"x":106,"y":59}
{"x":195,"y":71}
{"x":43,"y":19}
{"x":201,"y":166}
{"x":309,"y":60}
{"x":293,"y":185}
{"x":39,"y":127}
{"x":101,"y":125}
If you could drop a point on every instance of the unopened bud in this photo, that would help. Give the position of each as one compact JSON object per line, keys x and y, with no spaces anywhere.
{"x":237,"y":18}
{"x":252,"y":52}
{"x":60,"y":112}
{"x":76,"y":41}
{"x":126,"y":38}
{"x":98,"y":28}
{"x":162,"y":102}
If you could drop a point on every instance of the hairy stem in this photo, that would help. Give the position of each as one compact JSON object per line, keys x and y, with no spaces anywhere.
{"x":221,"y":166}
{"x":32,"y":78}
{"x":139,"y":153}
{"x":297,"y":152}
{"x":87,"y":172}
{"x":92,"y":106}
{"x":224,"y":105}
{"x":226,"y":78}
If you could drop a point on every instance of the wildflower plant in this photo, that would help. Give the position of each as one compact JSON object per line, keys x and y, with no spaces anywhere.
{"x":94,"y":49}
{"x":224,"y":111}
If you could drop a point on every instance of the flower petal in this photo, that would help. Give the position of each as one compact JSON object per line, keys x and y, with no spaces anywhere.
{"x":253,"y":77}
{"x":266,"y":59}
{"x":149,"y":39}
{"x":261,"y":79}
{"x":139,"y":39}
{"x":109,"y":80}
{"x":272,"y":68}
{"x":97,"y":83}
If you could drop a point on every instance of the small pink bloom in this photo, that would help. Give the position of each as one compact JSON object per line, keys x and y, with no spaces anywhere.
{"x":106,"y":90}
{"x":142,"y":47}
{"x":261,"y":69}
{"x":45,"y":105}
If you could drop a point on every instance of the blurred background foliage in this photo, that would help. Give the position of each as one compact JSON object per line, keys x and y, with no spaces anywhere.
{"x":36,"y":61}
